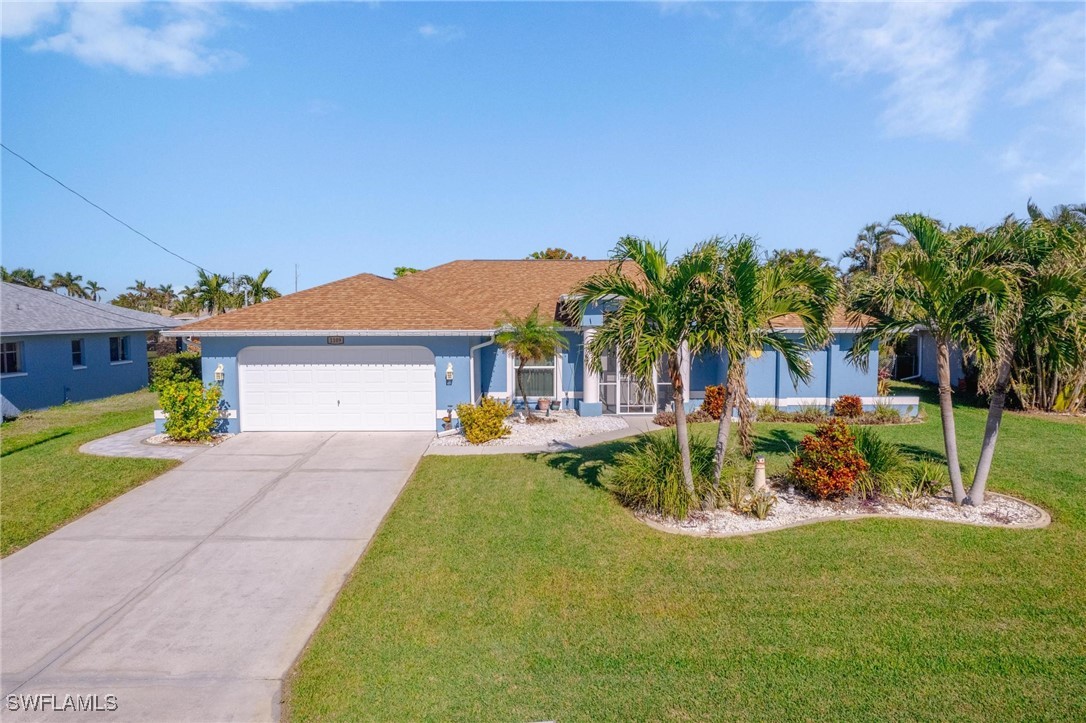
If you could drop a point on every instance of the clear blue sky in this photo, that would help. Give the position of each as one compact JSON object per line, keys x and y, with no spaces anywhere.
{"x":358,"y":137}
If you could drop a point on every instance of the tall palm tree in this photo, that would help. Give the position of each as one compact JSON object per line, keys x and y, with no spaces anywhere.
{"x":26,"y":277}
{"x":752,"y":302}
{"x":70,"y":283}
{"x":867,"y":252}
{"x":1044,"y":325}
{"x":258,"y":289}
{"x":652,"y":315}
{"x":140,"y":287}
{"x":166,"y":296}
{"x":94,"y":290}
{"x":212,"y":292}
{"x":528,"y":338}
{"x":943,"y":281}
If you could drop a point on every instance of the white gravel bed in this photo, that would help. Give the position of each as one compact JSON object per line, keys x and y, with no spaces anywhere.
{"x":566,"y":426}
{"x":164,"y":439}
{"x":790,"y":510}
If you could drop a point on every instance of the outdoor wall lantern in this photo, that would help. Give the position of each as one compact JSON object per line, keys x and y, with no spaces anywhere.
{"x":449,"y":374}
{"x":220,"y":375}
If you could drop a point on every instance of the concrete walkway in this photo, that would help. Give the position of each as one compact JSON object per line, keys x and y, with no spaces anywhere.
{"x":189,"y":597}
{"x":637,"y":424}
{"x":129,"y":443}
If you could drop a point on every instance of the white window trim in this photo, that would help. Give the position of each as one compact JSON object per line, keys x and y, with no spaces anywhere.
{"x":10,"y":375}
{"x":77,"y":367}
{"x":511,"y":375}
{"x":119,"y":363}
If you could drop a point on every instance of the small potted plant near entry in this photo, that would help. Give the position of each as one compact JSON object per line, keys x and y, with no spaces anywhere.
{"x":543,"y":404}
{"x":556,"y":405}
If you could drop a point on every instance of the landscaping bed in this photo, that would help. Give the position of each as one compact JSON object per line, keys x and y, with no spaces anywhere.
{"x":796,"y":508}
{"x":557,"y":428}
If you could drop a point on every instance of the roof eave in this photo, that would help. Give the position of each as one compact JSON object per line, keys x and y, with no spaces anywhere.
{"x":326,"y":332}
{"x":69,"y":332}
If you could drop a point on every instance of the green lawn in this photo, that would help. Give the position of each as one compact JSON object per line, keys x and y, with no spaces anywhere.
{"x":514,"y":588}
{"x":45,"y":481}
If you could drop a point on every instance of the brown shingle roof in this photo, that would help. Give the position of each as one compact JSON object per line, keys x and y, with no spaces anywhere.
{"x":457,"y":296}
{"x":461,"y":295}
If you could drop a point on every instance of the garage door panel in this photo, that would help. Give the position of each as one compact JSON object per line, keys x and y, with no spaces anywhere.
{"x":337,"y":388}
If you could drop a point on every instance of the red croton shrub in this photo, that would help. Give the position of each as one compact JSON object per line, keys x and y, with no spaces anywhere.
{"x":713,"y":403}
{"x":828,"y":464}
{"x":848,"y":405}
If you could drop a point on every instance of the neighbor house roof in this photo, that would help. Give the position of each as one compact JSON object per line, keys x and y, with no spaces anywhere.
{"x":457,"y":297}
{"x":33,"y":312}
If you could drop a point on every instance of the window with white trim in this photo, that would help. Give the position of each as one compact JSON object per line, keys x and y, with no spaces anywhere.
{"x":537,"y":377}
{"x":11,"y":357}
{"x":118,"y":349}
{"x":77,"y":353}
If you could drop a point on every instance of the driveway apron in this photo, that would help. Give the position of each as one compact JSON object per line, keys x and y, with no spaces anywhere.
{"x":188,"y":598}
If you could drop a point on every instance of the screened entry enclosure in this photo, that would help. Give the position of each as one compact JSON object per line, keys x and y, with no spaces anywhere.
{"x":622,"y":394}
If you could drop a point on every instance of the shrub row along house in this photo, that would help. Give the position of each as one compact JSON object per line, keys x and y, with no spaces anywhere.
{"x":370,"y":353}
{"x":56,"y":348}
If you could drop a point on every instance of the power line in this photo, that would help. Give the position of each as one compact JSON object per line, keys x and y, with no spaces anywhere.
{"x":68,"y":188}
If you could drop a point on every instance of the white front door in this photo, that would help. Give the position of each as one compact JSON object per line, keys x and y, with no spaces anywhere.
{"x":336,"y":388}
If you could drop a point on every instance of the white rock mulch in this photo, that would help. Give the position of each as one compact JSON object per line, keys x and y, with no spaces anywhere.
{"x":791,"y":510}
{"x":566,"y":426}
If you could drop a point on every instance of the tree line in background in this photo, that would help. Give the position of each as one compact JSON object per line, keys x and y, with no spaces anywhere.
{"x":212,"y":293}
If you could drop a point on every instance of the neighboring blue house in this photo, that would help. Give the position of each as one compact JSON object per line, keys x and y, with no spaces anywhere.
{"x":370,"y":353}
{"x":56,"y":349}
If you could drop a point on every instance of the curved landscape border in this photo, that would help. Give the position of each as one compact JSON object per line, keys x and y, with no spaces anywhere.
{"x":1043,"y":521}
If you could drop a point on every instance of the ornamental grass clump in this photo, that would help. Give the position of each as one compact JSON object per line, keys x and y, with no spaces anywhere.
{"x":484,"y":422}
{"x":828,"y":464}
{"x":192,"y":410}
{"x":886,"y":465}
{"x":648,"y":477}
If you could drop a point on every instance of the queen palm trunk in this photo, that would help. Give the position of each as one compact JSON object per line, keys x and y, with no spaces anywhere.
{"x":946,"y":411}
{"x":681,"y":431}
{"x":991,"y":431}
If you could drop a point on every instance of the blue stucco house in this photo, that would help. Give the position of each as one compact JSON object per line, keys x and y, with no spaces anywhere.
{"x":370,"y":353}
{"x":56,"y":349}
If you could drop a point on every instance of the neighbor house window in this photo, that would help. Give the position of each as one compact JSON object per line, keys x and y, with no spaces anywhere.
{"x":537,"y":377}
{"x":77,"y":353}
{"x":118,"y":349}
{"x":11,"y":357}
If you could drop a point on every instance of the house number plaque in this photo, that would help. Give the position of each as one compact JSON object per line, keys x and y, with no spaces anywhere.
{"x":335,"y":340}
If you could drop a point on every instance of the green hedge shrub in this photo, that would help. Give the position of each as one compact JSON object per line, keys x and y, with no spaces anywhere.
{"x":181,"y":367}
{"x":484,"y":422}
{"x":192,"y":411}
{"x":667,"y":419}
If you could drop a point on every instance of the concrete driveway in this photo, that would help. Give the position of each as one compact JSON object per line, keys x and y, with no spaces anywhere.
{"x":189,"y":597}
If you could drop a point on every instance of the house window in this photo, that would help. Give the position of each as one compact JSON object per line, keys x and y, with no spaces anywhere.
{"x":537,"y":377}
{"x":77,"y":353}
{"x":11,"y":357}
{"x":118,"y":349}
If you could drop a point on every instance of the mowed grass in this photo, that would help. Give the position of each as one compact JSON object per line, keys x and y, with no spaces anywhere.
{"x":44,"y":480}
{"x":515,"y":589}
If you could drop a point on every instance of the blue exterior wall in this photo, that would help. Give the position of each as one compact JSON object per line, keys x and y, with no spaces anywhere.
{"x":446,"y":350}
{"x":49,"y":379}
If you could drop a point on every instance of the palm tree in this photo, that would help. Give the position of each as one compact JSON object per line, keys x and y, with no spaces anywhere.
{"x":70,"y":283}
{"x":165,"y":296}
{"x":751,"y":302}
{"x":651,"y":316}
{"x":26,"y":277}
{"x":140,"y":287}
{"x":947,"y":283}
{"x":212,"y":292}
{"x":258,"y":288}
{"x":557,"y":253}
{"x":529,"y":338}
{"x":1044,"y":325}
{"x":870,"y":247}
{"x":94,"y":290}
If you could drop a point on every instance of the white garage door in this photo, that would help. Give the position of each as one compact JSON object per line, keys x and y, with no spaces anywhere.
{"x":336,"y":388}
